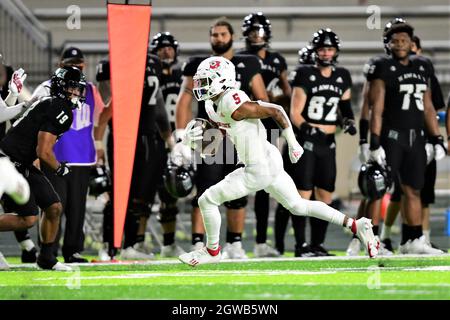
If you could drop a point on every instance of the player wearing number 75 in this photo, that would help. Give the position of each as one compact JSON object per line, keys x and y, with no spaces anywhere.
{"x":32,"y":137}
{"x":402,"y":109}
{"x":231,"y":110}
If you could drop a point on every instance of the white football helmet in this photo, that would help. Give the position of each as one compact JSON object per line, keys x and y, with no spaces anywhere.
{"x":214,"y":75}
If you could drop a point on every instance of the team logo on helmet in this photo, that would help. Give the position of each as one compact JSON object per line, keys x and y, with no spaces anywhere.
{"x":214,"y":64}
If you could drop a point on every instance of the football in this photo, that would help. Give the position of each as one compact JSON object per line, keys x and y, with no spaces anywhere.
{"x":212,"y":137}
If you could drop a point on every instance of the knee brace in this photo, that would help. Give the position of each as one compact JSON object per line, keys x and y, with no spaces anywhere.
{"x":139,"y":209}
{"x":167,"y":215}
{"x":236,"y":204}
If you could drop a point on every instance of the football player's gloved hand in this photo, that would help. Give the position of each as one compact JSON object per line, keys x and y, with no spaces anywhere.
{"x":349,"y":126}
{"x":295,"y":152}
{"x":16,"y":83}
{"x":378,"y":155}
{"x":439,"y":149}
{"x":364,"y":152}
{"x":192,"y":135}
{"x":429,"y":148}
{"x":181,"y":154}
{"x":63,"y":169}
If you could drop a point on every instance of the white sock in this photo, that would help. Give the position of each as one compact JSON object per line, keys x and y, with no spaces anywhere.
{"x":212,"y":221}
{"x":26,"y":245}
{"x":320,"y":210}
{"x":426,"y":233}
{"x":386,"y":232}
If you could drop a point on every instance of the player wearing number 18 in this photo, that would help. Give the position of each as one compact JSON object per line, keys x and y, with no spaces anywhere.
{"x":402,"y":108}
{"x":319,"y":92}
{"x":32,"y":137}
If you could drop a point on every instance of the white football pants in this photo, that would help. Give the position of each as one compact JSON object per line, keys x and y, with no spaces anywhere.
{"x":269,"y":176}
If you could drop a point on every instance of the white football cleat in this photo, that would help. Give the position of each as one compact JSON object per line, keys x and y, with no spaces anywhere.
{"x":131,"y":253}
{"x":61,"y":267}
{"x":354,"y":247}
{"x":234,"y":251}
{"x":171,"y":250}
{"x":418,"y":246}
{"x":262,"y":250}
{"x":382,"y":250}
{"x":197,"y":246}
{"x":3,"y":264}
{"x":200,"y":256}
{"x":365,"y":234}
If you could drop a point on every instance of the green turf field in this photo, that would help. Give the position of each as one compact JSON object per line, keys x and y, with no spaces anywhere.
{"x":336,"y":278}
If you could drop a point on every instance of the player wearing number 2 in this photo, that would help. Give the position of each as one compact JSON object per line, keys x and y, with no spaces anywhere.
{"x":32,"y":137}
{"x":319,"y":92}
{"x":233,"y":111}
{"x":402,"y":109}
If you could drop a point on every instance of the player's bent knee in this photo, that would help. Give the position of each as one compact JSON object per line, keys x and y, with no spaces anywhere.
{"x":236,"y":204}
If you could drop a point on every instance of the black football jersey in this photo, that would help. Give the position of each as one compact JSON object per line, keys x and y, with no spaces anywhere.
{"x":436,"y":93}
{"x":147,"y":119}
{"x":271,"y":68}
{"x":405,"y":86}
{"x":323,"y":94}
{"x":102,"y":72}
{"x":247,"y":66}
{"x":170,"y":86}
{"x":52,"y":115}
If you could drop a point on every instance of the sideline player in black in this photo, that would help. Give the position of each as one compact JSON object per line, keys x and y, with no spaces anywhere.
{"x":427,"y":194}
{"x":148,"y":161}
{"x":166,"y":47}
{"x":318,"y":92}
{"x":32,"y":137}
{"x":257,"y":32}
{"x":249,"y":80}
{"x":402,"y":109}
{"x":306,"y":57}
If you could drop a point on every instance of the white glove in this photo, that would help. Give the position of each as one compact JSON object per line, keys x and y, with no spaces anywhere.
{"x":181,"y":154}
{"x":439,"y":152}
{"x":429,"y":148}
{"x":364,"y":152}
{"x":295,"y":152}
{"x":16,"y":83}
{"x":378,"y":156}
{"x":192,"y":135}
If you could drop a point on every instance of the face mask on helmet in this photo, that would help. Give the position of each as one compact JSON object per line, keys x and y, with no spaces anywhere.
{"x":322,"y":39}
{"x":214,"y":75}
{"x":178,"y":181}
{"x":373,"y":180}
{"x":69,"y":83}
{"x":162,"y":40}
{"x":256,"y":39}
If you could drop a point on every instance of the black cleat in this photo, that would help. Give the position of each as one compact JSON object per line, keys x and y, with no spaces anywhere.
{"x":304,"y":251}
{"x":320,"y":251}
{"x":29,"y":256}
{"x":75,"y":258}
{"x":388,"y":244}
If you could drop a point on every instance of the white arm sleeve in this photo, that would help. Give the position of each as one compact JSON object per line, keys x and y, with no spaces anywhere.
{"x":287,"y":133}
{"x":8,"y":113}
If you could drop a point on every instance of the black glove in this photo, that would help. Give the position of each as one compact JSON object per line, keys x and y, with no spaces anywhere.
{"x":63,"y":169}
{"x":349,"y":126}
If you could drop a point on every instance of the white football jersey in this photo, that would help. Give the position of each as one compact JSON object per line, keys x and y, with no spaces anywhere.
{"x":249,"y":135}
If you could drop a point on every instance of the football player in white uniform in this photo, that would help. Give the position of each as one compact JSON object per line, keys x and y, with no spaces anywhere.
{"x":231,"y":110}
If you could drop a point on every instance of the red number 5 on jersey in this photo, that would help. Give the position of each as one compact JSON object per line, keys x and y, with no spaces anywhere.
{"x":236,"y":98}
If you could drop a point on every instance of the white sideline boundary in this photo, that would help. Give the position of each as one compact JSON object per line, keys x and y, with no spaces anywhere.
{"x":251,"y":260}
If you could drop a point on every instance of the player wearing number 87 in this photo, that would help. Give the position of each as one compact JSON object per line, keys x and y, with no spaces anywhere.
{"x":401,"y":111}
{"x":241,"y":119}
{"x":321,"y":93}
{"x":32,"y":137}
